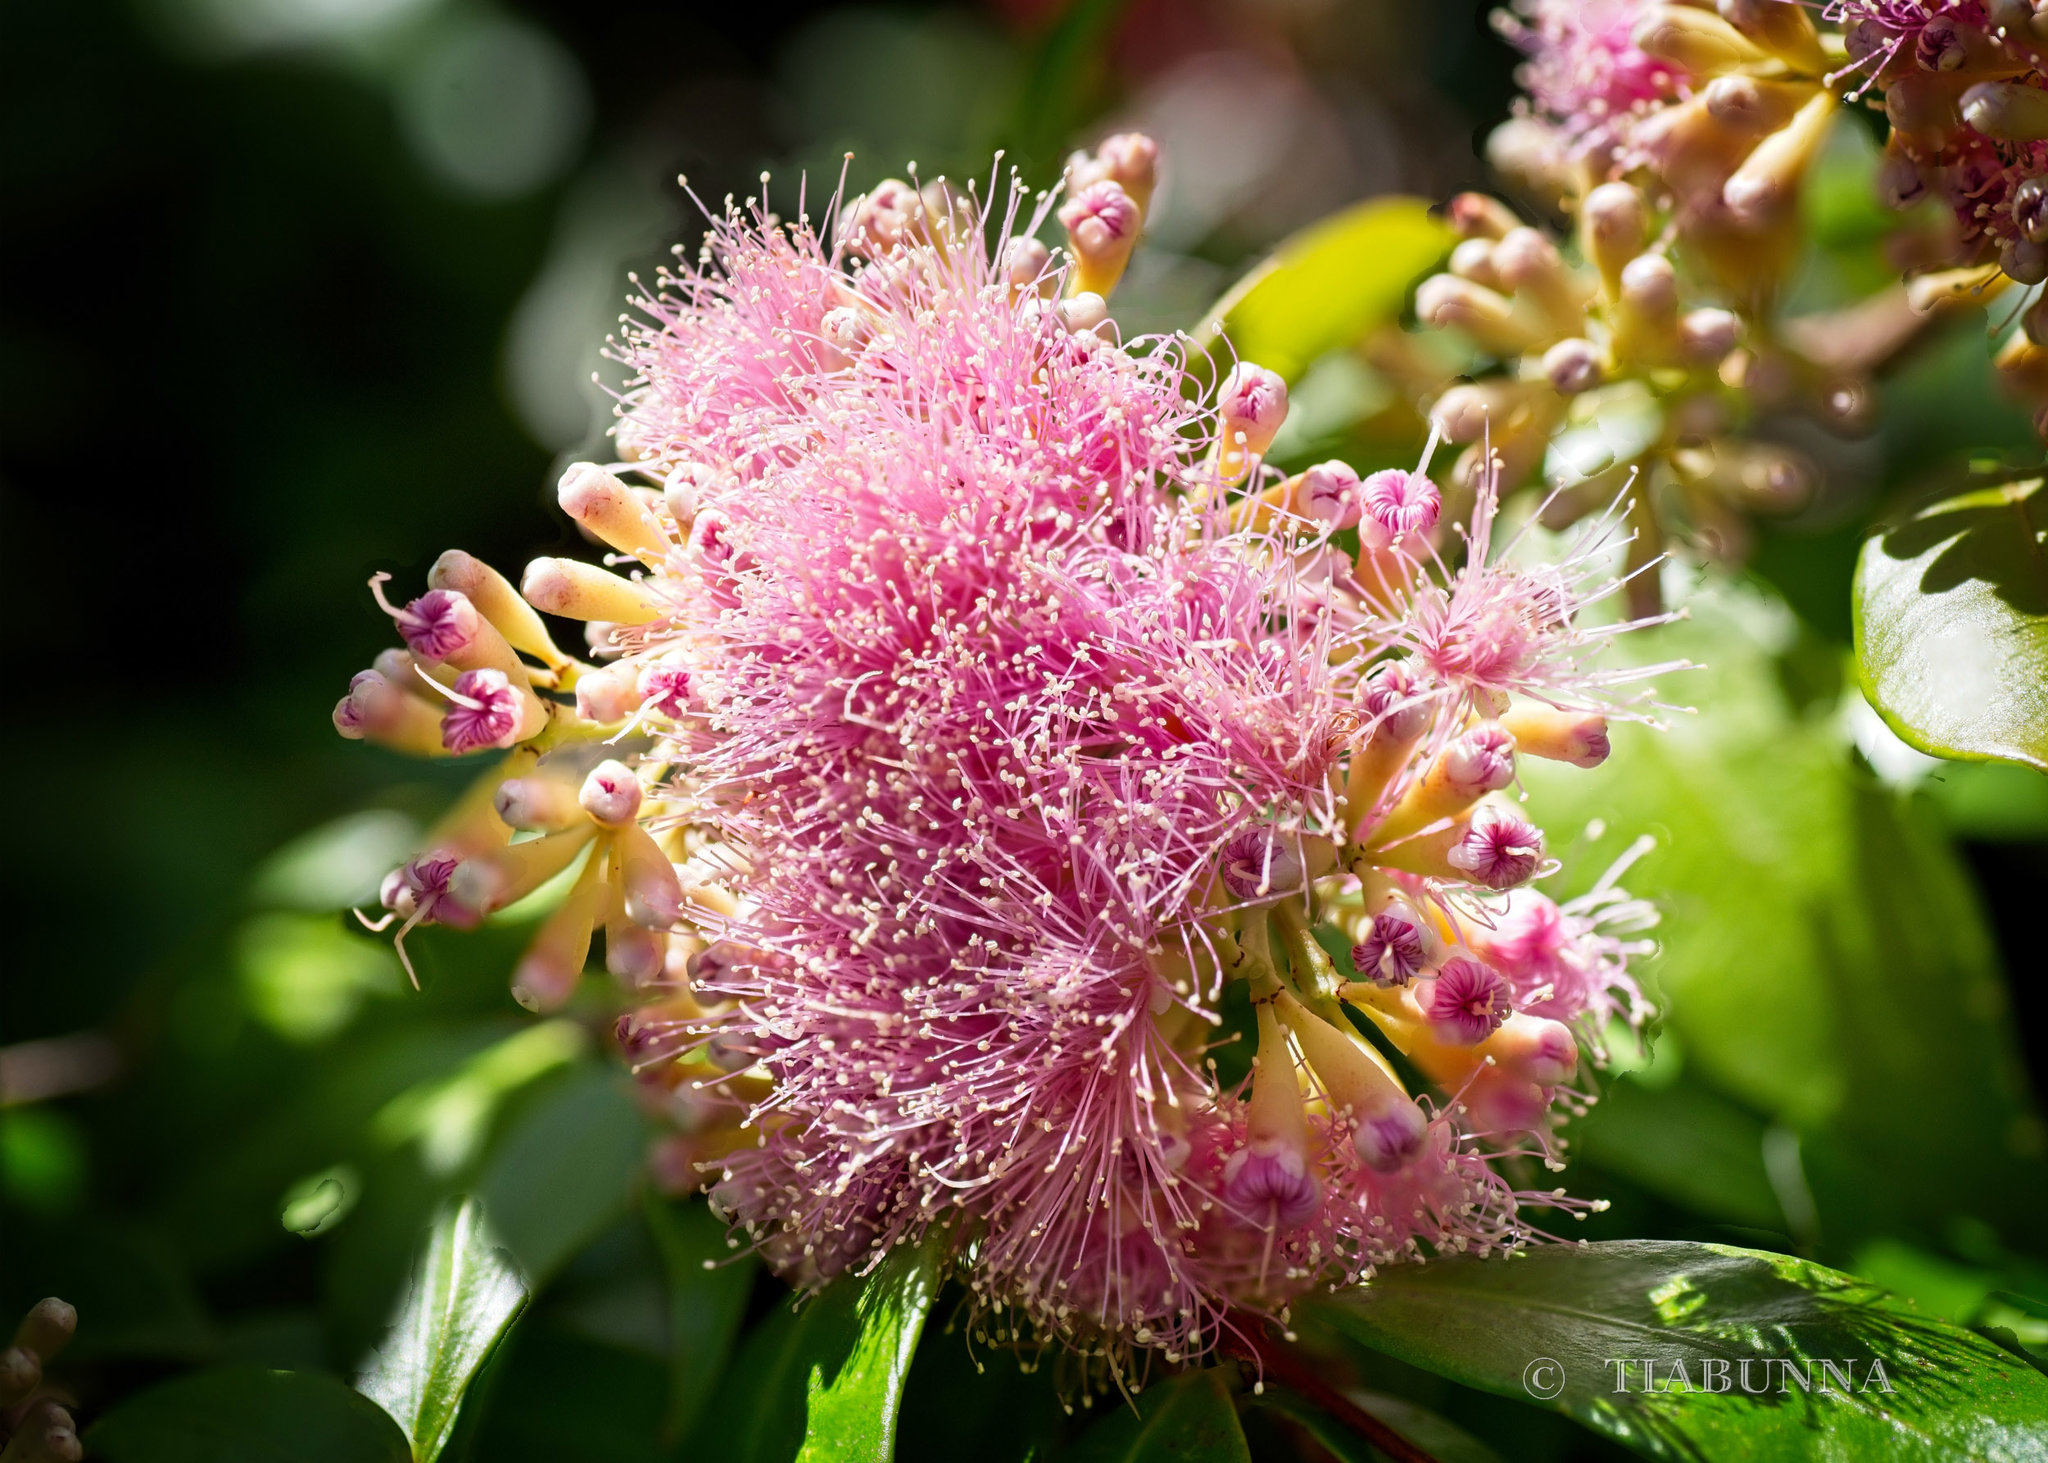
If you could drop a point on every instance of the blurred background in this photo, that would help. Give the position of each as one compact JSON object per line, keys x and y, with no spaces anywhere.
{"x":298,"y":290}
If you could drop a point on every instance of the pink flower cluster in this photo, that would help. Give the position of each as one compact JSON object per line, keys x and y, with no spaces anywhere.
{"x":984,"y":720}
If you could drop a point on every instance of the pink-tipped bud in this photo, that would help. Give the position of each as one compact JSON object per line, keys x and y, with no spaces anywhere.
{"x":607,"y":695}
{"x":546,"y":975}
{"x":371,"y":701}
{"x":880,"y":220}
{"x":1328,"y":495}
{"x":484,"y":711}
{"x":1572,"y":366}
{"x":579,"y":591}
{"x":1102,"y":226}
{"x":1395,"y":504}
{"x":1130,"y":159}
{"x":1396,"y":947}
{"x":1395,"y":705}
{"x":1481,"y":761}
{"x":440,"y":625}
{"x":1025,"y":265}
{"x":1473,"y":260}
{"x":1450,"y":303}
{"x":1706,"y":336}
{"x":1577,"y":737}
{"x":1616,"y":224}
{"x":611,"y":794}
{"x":1536,"y":1050}
{"x":1476,"y":216}
{"x":1467,"y":1001}
{"x":611,"y":512}
{"x":497,"y":601}
{"x":1257,"y":864}
{"x":1250,"y":407}
{"x":1650,"y":284}
{"x":1388,"y":1139}
{"x":1269,"y":1181}
{"x":1499,"y":849}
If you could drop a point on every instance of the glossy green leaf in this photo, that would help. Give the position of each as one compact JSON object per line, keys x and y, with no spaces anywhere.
{"x":1952,"y":625}
{"x":824,"y":1383}
{"x":1329,"y":285}
{"x":248,"y":1415}
{"x":566,"y":1169}
{"x":1191,"y":1418}
{"x":465,"y":1294}
{"x":1825,"y":962}
{"x":707,"y":1297}
{"x":1579,"y":1329}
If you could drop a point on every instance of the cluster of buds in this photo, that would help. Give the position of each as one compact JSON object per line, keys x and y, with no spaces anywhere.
{"x":977,"y":710}
{"x":1647,"y":350}
{"x":1961,"y":84}
{"x":35,"y":1419}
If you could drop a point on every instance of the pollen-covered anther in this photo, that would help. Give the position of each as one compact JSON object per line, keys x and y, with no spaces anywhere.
{"x":579,"y":591}
{"x":1466,"y":1001}
{"x":611,"y":512}
{"x":1102,"y":224}
{"x":611,"y":794}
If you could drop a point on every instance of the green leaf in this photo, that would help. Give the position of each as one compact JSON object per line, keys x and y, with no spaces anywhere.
{"x":1554,"y":1324}
{"x":1952,"y":626}
{"x":824,"y":1384}
{"x":248,"y":1415}
{"x":1191,"y":1418}
{"x":707,"y":1297}
{"x":566,"y":1169}
{"x":1329,"y":285}
{"x":465,"y":1293}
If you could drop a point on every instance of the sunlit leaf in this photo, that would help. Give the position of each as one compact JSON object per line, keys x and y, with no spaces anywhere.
{"x":1328,"y":285}
{"x":251,"y":1416}
{"x":1579,"y":1328}
{"x":707,"y":1296}
{"x":824,"y":1384}
{"x":1190,"y":1418}
{"x":1952,"y":625}
{"x":465,"y":1293}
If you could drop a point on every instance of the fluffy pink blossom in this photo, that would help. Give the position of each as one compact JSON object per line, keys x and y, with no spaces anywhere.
{"x":1586,"y":76}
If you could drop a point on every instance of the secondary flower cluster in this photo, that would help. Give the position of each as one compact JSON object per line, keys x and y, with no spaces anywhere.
{"x":978,"y":724}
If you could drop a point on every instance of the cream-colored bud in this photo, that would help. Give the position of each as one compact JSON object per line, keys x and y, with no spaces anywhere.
{"x":612,"y":512}
{"x":579,"y":591}
{"x":1781,"y":27}
{"x":1696,"y":41}
{"x":1614,"y":227}
{"x":1767,"y":183}
{"x":1473,"y":260}
{"x":1448,"y":302}
{"x":497,"y":601}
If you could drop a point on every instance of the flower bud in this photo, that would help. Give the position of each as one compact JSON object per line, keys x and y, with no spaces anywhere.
{"x":1102,"y":224}
{"x":1696,"y":41}
{"x":1250,"y":406}
{"x":1529,"y":265}
{"x":376,"y":710}
{"x":491,"y":881}
{"x":486,"y":711}
{"x":1767,"y":183}
{"x":610,"y":794}
{"x":654,"y":895}
{"x":1395,"y":703}
{"x":1129,"y":159}
{"x":1396,"y":947}
{"x":1086,"y":311}
{"x":1476,"y":216}
{"x":683,"y":488}
{"x":1473,"y":260}
{"x":498,"y":602}
{"x":537,"y":802}
{"x":1328,"y":495}
{"x":1614,"y":228}
{"x":1448,"y":302}
{"x":632,"y":952}
{"x":1499,"y":849}
{"x":1474,"y":410}
{"x":1026,"y":266}
{"x":1268,"y":1180}
{"x":1389,"y":1126}
{"x":1534,"y":1049}
{"x":1477,"y":763}
{"x":1781,"y":27}
{"x":547,"y":973}
{"x":1577,"y":737}
{"x":1708,"y":335}
{"x":1466,"y":1001}
{"x":878,"y":221}
{"x":611,"y":512}
{"x":1572,"y":366}
{"x":1258,"y":864}
{"x":1752,"y":108}
{"x":608,"y":695}
{"x":579,"y":591}
{"x":1396,"y":506}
